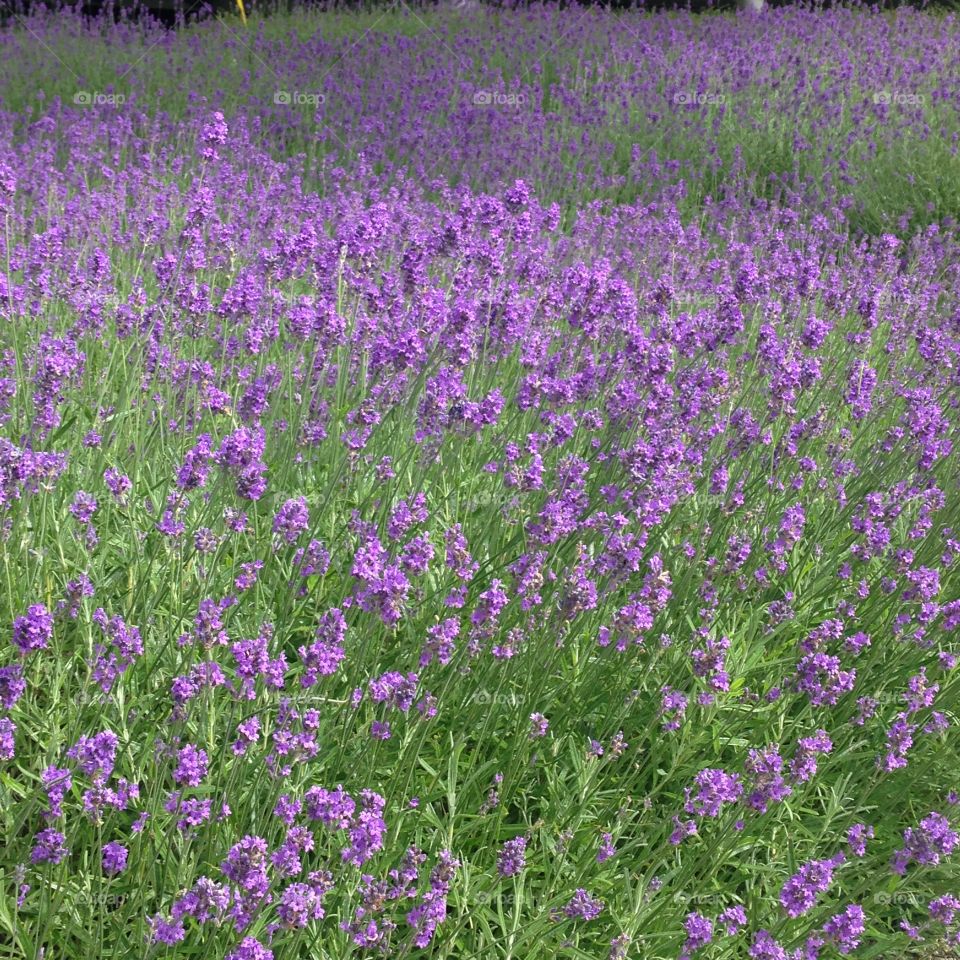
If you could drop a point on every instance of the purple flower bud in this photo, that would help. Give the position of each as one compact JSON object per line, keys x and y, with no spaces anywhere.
{"x":33,"y":631}
{"x":512,"y":858}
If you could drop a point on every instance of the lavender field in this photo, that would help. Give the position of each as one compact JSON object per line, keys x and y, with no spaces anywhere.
{"x":480,"y":484}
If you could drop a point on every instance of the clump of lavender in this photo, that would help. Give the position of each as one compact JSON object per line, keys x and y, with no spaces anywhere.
{"x":292,"y":519}
{"x":582,"y":906}
{"x":432,"y":908}
{"x":538,"y":726}
{"x":7,"y":742}
{"x":699,"y":933}
{"x":512,"y":857}
{"x":714,"y":789}
{"x":33,"y":630}
{"x":49,"y":847}
{"x":846,"y":929}
{"x":801,"y":891}
{"x":191,"y":766}
{"x":12,"y":685}
{"x":114,"y":858}
{"x":933,"y":839}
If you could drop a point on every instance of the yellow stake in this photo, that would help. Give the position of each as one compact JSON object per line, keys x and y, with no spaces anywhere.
{"x":243,"y":13}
